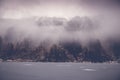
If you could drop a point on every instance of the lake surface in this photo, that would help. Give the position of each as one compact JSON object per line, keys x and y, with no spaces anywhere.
{"x":58,"y":71}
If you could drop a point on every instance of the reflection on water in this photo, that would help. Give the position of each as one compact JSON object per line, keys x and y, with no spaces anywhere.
{"x":89,"y":69}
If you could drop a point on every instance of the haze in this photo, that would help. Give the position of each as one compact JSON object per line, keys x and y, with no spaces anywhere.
{"x":59,"y":20}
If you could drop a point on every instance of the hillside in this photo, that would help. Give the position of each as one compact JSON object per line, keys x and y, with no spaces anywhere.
{"x":62,"y":52}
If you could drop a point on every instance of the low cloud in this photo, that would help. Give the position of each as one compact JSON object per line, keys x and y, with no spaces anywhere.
{"x":81,"y":29}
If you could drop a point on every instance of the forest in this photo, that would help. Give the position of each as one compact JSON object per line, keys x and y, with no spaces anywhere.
{"x":71,"y":51}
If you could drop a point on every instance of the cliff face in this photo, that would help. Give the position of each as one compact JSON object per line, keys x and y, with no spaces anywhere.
{"x":62,"y":52}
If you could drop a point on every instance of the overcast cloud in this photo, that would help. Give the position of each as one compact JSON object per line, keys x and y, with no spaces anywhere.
{"x":59,"y":20}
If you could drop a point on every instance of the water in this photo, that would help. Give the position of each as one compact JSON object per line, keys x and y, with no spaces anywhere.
{"x":58,"y":71}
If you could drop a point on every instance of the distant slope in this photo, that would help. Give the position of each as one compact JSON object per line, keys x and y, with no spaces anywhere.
{"x":62,"y":52}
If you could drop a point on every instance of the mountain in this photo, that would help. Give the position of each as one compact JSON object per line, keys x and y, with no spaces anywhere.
{"x":63,"y":52}
{"x":54,"y":39}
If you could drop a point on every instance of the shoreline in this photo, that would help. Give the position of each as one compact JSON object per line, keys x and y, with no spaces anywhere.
{"x":20,"y":60}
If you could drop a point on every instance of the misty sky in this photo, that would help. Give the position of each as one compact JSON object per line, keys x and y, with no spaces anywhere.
{"x":50,"y":8}
{"x":59,"y":19}
{"x":54,"y":8}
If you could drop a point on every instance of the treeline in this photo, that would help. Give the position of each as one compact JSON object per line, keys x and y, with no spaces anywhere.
{"x":62,"y":52}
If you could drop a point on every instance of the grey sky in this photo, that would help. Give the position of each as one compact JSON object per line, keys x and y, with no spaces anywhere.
{"x":54,"y":8}
{"x":57,"y":20}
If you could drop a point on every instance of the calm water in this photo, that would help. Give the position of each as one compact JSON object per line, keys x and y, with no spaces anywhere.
{"x":58,"y":71}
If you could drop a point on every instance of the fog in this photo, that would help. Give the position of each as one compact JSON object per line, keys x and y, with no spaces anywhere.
{"x":56,"y":21}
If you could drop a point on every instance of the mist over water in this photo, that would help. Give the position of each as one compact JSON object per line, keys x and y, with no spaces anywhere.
{"x":55,"y":29}
{"x":53,"y":21}
{"x":59,"y":31}
{"x":88,"y":23}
